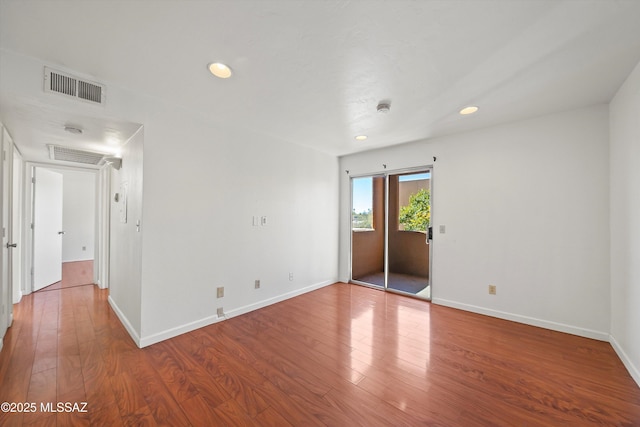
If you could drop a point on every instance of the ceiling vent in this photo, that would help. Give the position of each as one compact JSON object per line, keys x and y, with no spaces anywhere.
{"x":76,"y":87}
{"x":77,"y":156}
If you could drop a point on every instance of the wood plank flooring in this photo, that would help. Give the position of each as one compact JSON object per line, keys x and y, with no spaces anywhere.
{"x":74,"y":273}
{"x":344,"y":355}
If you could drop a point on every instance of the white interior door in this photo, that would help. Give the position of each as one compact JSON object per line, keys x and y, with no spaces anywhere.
{"x":5,"y":281}
{"x":47,"y":230}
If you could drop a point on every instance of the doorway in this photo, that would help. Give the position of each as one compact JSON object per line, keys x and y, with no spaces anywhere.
{"x":390,"y":231}
{"x":65,"y":225}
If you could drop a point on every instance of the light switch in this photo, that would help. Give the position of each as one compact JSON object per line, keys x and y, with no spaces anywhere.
{"x":264,"y":220}
{"x":442,"y":229}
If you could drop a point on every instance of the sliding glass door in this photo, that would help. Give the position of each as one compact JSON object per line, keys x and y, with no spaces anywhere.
{"x":391,"y":220}
{"x":368,"y":230}
{"x":408,"y":232}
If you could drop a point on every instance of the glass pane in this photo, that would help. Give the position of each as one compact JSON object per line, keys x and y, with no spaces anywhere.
{"x":414,"y":202}
{"x":367,"y":229}
{"x":409,"y":219}
{"x":362,"y":209}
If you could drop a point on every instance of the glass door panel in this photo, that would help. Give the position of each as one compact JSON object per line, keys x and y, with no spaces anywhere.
{"x":408,"y":228}
{"x":368,"y":230}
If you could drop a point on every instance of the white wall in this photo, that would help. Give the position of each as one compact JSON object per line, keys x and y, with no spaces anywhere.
{"x":78,"y":215}
{"x":525,"y":207}
{"x":125,"y":282}
{"x":203,"y":186}
{"x":625,"y":223}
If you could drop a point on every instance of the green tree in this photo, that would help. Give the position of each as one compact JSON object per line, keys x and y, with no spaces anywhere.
{"x":416,"y":216}
{"x":363,"y":219}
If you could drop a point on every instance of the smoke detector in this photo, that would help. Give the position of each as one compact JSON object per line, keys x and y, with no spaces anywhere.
{"x":383,"y":107}
{"x":73,"y":129}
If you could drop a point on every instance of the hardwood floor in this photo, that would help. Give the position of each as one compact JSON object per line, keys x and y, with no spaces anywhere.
{"x":74,"y":273}
{"x":344,"y":355}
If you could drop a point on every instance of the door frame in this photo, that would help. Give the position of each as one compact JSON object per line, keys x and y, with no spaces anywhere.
{"x":17,"y":221}
{"x":386,"y":173}
{"x":101,"y":252}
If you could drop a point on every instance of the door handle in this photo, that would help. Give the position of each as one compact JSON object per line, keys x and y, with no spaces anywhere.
{"x":430,"y":234}
{"x":60,"y":232}
{"x":12,"y":245}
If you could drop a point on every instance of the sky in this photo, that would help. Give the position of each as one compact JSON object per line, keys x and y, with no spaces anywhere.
{"x":362,"y":194}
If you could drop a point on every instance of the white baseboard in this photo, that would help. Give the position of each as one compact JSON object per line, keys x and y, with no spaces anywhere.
{"x":634,"y":371}
{"x":17,"y":298}
{"x":125,"y":321}
{"x":269,"y":301}
{"x":99,"y":284}
{"x":554,"y":326}
{"x":1,"y":343}
{"x":179,"y":330}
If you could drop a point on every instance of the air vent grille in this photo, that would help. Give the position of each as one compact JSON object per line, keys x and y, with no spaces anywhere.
{"x":90,"y":92}
{"x":62,"y":84}
{"x":72,"y":155}
{"x":67,"y":84}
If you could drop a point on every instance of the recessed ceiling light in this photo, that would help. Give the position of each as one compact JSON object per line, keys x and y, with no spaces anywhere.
{"x":361,"y":137}
{"x":220,"y":70}
{"x":468,"y":110}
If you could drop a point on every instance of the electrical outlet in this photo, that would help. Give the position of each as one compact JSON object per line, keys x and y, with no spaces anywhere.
{"x":220,"y":312}
{"x":256,"y":285}
{"x":492,"y":289}
{"x":220,"y":292}
{"x":291,"y":277}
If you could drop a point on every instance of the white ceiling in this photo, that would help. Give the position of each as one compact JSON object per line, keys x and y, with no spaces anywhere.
{"x":36,"y":125}
{"x":311,"y":72}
